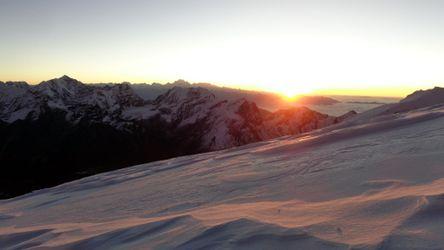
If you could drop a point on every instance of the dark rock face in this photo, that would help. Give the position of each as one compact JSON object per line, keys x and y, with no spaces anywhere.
{"x":62,"y":129}
{"x":50,"y":150}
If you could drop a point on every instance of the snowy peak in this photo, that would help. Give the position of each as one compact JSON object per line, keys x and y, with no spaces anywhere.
{"x":13,"y":88}
{"x":178,"y":95}
{"x":432,"y":96}
{"x":60,"y":87}
{"x":250,"y":112}
{"x":181,"y":83}
{"x":75,"y":99}
{"x":420,"y":99}
{"x":19,"y":84}
{"x":68,"y":92}
{"x":16,"y":101}
{"x":124,"y":94}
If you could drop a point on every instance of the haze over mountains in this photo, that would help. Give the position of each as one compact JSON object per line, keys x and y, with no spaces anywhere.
{"x":373,"y":181}
{"x":265,"y":100}
{"x":331,"y":105}
{"x":89,"y":129}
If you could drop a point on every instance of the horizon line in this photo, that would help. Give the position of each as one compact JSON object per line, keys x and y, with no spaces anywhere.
{"x":318,"y":92}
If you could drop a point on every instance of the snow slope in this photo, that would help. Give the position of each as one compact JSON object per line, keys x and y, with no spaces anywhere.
{"x":371,"y":183}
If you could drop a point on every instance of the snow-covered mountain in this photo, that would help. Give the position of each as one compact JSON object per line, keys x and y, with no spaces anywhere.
{"x":229,"y":123}
{"x":102,"y":127}
{"x":226,"y":123}
{"x":375,"y":181}
{"x":20,"y":101}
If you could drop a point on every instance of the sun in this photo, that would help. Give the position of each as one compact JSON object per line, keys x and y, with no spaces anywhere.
{"x":292,"y":92}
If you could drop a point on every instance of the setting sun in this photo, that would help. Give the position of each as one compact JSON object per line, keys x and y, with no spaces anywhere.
{"x":291,"y":92}
{"x":278,"y":50}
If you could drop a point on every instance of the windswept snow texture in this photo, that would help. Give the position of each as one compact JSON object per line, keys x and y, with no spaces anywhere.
{"x":376,"y":184}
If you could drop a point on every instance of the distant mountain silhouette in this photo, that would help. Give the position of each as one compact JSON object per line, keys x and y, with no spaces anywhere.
{"x":266,"y":100}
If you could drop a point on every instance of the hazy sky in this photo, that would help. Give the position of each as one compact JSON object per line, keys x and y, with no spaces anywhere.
{"x":388,"y":47}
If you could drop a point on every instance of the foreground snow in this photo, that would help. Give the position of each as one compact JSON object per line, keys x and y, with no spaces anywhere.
{"x":378,"y":183}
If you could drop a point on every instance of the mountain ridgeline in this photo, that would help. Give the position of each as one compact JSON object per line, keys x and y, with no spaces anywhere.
{"x":267,"y":100}
{"x":62,"y":129}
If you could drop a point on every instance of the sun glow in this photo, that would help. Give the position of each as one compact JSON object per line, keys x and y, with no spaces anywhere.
{"x":290,"y":92}
{"x":290,"y":48}
{"x":292,"y":65}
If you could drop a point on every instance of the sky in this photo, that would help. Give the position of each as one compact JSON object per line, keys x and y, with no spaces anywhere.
{"x":359,"y":47}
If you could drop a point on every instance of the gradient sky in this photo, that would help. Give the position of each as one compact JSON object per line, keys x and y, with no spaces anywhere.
{"x":387,"y":48}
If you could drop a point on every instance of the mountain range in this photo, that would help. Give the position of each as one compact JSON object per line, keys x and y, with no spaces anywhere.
{"x":94,"y":128}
